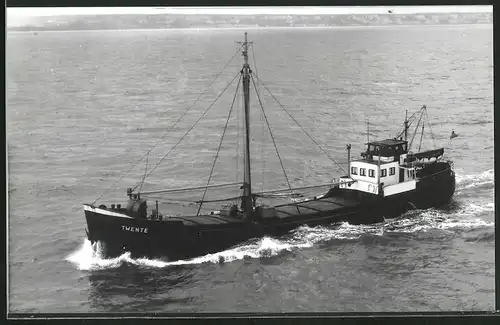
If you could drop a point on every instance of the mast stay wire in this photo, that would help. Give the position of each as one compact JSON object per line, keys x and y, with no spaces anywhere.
{"x":220,"y":144}
{"x":271,"y":133}
{"x":171,"y":128}
{"x":237,"y":155}
{"x":190,"y":129}
{"x":296,"y":122}
{"x":145,"y":171}
{"x":430,"y":128}
{"x":416,"y":130}
{"x":411,"y":119}
{"x":262,"y":153}
{"x":421,"y":137}
{"x":423,"y":111}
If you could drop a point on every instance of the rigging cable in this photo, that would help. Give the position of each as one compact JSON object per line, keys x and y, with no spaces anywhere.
{"x":219,"y":200}
{"x":411,"y":119}
{"x":172,"y":201}
{"x":220,"y":144}
{"x":237,"y":142}
{"x":298,"y":188}
{"x":421,"y":137}
{"x":296,"y":122}
{"x":430,"y":128}
{"x":262,"y":153}
{"x":192,"y":127}
{"x":185,"y":189}
{"x":171,"y":128}
{"x":272,"y":137}
{"x":263,"y":126}
{"x":416,"y":130}
{"x":145,"y":170}
{"x":254,"y":61}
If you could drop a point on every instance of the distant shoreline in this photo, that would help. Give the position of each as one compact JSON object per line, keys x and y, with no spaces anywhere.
{"x":183,"y":22}
{"x":196,"y":29}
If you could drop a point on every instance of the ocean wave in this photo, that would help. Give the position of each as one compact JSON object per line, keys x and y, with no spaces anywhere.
{"x":464,"y":218}
{"x":89,"y":258}
{"x":475,"y":122}
{"x":147,"y":129}
{"x":482,"y":237}
{"x":475,"y":180}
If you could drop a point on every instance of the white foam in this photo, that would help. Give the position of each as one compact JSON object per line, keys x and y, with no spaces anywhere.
{"x":465,"y":218}
{"x":265,"y":247}
{"x":475,"y":180}
{"x":89,"y":258}
{"x":474,"y":208}
{"x":463,"y":224}
{"x":344,"y":231}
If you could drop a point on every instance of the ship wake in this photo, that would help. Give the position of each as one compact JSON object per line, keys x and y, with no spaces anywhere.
{"x":482,"y":180}
{"x":463,"y":218}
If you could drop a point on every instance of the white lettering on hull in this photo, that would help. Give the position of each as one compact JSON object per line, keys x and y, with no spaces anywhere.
{"x":135,"y":229}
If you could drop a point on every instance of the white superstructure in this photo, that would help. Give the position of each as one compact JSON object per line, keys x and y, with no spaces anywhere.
{"x":382,"y":170}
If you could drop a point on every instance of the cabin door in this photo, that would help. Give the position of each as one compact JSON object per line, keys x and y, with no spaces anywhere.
{"x":401,"y":175}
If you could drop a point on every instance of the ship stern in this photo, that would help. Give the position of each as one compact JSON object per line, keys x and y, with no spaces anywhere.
{"x":437,"y":189}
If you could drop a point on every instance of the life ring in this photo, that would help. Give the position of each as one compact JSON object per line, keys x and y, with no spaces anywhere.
{"x":102,"y":206}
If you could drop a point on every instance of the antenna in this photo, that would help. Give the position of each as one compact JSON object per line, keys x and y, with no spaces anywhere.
{"x":245,"y":48}
{"x":348,"y":147}
{"x":367,"y":131}
{"x":406,"y":125}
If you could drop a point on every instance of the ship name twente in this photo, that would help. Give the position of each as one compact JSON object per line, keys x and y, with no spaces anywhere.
{"x":135,"y":229}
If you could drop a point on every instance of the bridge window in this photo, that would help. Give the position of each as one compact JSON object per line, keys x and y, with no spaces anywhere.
{"x":354,"y":170}
{"x":371,"y":172}
{"x":383,"y":173}
{"x":362,"y":171}
{"x":392,"y":171}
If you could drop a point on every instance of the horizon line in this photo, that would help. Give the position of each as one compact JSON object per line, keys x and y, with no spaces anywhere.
{"x":250,"y":10}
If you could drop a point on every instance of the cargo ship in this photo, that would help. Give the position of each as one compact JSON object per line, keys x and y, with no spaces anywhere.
{"x":385,"y":181}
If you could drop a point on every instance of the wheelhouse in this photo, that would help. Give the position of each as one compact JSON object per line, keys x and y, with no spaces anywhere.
{"x":386,"y":148}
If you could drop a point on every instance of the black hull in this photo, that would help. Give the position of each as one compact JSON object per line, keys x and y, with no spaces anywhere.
{"x":174,"y":239}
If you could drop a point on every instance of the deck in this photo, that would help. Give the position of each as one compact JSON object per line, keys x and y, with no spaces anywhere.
{"x":313,"y":207}
{"x":285,"y":211}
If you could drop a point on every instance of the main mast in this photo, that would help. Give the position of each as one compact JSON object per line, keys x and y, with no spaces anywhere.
{"x":247,"y":202}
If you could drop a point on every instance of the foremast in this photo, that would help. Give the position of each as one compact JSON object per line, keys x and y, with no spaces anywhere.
{"x":247,"y":201}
